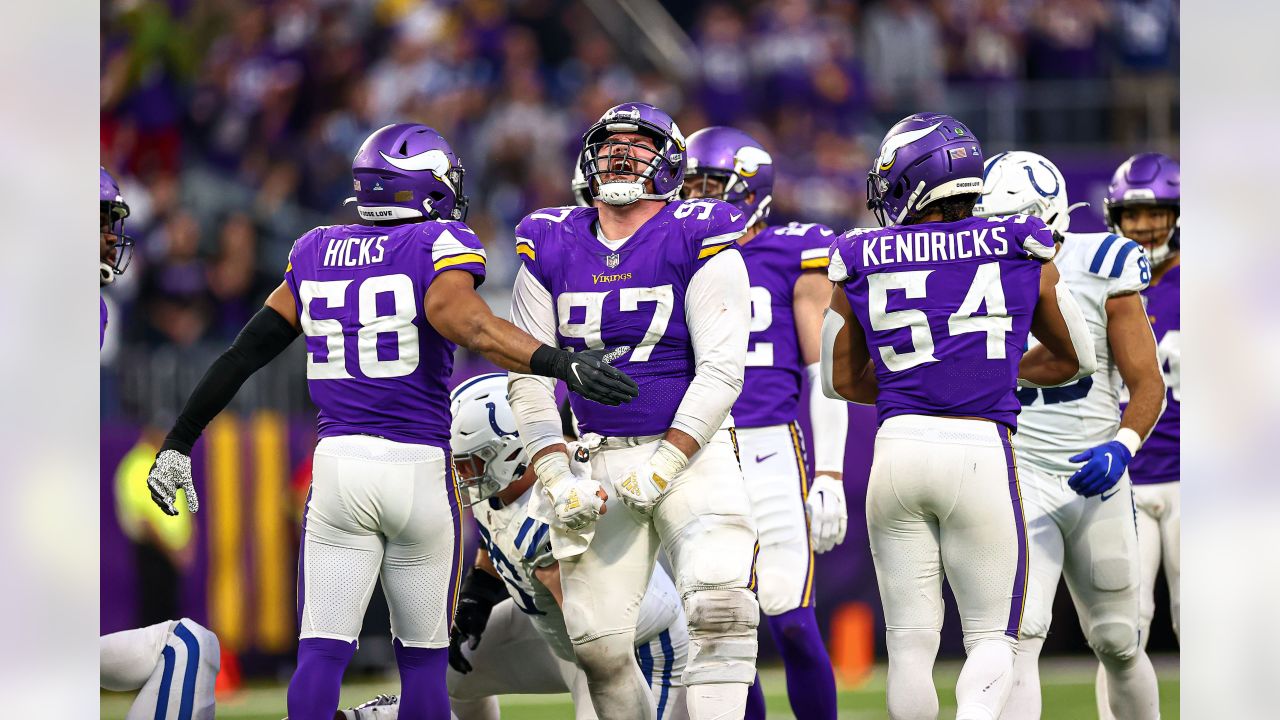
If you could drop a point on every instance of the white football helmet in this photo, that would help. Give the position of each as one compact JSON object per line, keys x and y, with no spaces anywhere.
{"x":487,"y":452}
{"x":1024,"y":183}
{"x":581,"y":190}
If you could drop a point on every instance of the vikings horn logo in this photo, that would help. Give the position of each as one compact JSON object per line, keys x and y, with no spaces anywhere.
{"x":889,"y":151}
{"x":434,"y":160}
{"x":747,"y":161}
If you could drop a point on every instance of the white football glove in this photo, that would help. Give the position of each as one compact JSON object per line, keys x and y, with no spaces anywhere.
{"x":577,"y":500}
{"x":171,"y":472}
{"x":827,"y":516}
{"x":642,"y":486}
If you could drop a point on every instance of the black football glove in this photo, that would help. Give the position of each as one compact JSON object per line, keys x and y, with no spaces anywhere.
{"x":480,"y":592}
{"x":587,"y":373}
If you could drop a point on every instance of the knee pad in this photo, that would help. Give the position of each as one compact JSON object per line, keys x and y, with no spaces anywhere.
{"x":1114,"y":641}
{"x":722,"y":636}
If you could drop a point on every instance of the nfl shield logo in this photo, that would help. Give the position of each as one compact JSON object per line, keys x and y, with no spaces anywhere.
{"x":612,"y":261}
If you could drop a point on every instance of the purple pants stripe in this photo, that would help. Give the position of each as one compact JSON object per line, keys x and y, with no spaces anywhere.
{"x":302,"y":557}
{"x":455,"y":510}
{"x":1016,"y":604}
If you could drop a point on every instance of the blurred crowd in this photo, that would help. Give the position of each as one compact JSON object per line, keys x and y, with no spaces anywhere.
{"x":232,"y":123}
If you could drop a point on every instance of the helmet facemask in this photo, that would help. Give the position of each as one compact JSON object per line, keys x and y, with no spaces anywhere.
{"x":474,"y":471}
{"x":119,"y":246}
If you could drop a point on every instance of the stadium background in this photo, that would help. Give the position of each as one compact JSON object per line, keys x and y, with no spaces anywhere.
{"x":231,"y":126}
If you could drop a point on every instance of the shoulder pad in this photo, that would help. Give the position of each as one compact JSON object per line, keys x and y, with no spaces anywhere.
{"x":709,"y":225}
{"x":810,"y":243}
{"x":1033,"y":236}
{"x":1120,"y":260}
{"x":452,"y":243}
{"x":537,"y":225}
{"x":842,"y":252}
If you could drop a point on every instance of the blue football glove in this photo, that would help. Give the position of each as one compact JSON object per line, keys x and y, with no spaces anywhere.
{"x":1102,"y":469}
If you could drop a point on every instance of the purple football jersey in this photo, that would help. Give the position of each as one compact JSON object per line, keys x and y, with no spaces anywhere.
{"x":631,"y":297}
{"x":102,"y":322}
{"x":375,"y":366}
{"x":1158,"y":460}
{"x":946,"y":308}
{"x":776,"y":258}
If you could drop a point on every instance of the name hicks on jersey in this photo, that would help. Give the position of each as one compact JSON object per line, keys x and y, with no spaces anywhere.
{"x":934,"y":246}
{"x":354,"y":251}
{"x":597,"y":278}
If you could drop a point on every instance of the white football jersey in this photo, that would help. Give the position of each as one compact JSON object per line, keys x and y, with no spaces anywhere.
{"x":1057,"y":423}
{"x":518,"y":543}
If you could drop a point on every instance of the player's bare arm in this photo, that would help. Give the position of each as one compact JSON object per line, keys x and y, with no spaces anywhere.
{"x":1066,"y":351}
{"x":1133,"y":347}
{"x":549,"y":576}
{"x":847,"y":370}
{"x":458,"y":312}
{"x":265,"y":336}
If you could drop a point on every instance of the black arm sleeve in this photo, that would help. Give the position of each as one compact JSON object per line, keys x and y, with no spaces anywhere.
{"x":265,"y":336}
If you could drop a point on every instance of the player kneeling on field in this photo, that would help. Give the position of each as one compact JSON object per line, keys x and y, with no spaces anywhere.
{"x":509,"y":633}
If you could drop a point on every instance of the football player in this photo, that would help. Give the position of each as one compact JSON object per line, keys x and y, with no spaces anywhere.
{"x":1143,"y":203}
{"x":382,"y":304}
{"x":789,"y":290}
{"x":174,"y":664}
{"x":662,"y":280}
{"x":1073,"y":526}
{"x":509,"y":634}
{"x":929,"y":322}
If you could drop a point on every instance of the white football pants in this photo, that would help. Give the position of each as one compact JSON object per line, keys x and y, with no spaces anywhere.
{"x":172,"y":664}
{"x":773,"y":468}
{"x":943,"y":498}
{"x":379,"y":508}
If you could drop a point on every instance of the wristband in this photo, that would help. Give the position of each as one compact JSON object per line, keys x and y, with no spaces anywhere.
{"x":485,"y":587}
{"x":544,"y":361}
{"x":1129,"y":439}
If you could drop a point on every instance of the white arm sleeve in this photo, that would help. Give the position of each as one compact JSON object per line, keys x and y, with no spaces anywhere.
{"x":532,"y":397}
{"x":830,"y":421}
{"x":1081,"y":338}
{"x":717,"y":309}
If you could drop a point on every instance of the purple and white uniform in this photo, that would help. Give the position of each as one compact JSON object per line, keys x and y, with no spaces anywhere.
{"x":381,"y":500}
{"x":946,"y":309}
{"x":1156,"y":469}
{"x":1158,"y":460}
{"x":632,"y":296}
{"x":675,"y":296}
{"x":766,"y":415}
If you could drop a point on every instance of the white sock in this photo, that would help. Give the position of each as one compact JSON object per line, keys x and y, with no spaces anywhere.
{"x":1024,"y":699}
{"x":717,"y":701}
{"x":910,"y":693}
{"x":986,"y":680}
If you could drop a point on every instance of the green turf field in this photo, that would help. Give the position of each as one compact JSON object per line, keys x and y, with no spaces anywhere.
{"x":1067,"y":686}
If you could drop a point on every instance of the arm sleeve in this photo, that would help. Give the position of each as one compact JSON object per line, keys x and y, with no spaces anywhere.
{"x":532,"y":397}
{"x":830,"y":421}
{"x":717,"y":309}
{"x":265,"y":337}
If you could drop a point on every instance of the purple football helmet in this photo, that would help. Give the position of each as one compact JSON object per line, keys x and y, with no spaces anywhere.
{"x":112,"y":212}
{"x":924,"y":158}
{"x":741,"y":163}
{"x":617,"y":171}
{"x":1149,"y":179}
{"x":407,"y":171}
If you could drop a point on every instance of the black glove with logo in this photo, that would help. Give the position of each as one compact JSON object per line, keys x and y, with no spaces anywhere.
{"x":587,"y":373}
